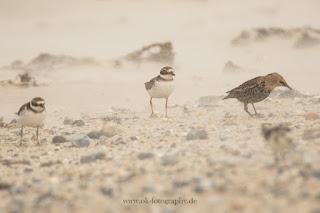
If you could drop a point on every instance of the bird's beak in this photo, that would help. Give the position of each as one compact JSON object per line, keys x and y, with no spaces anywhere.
{"x":286,"y":85}
{"x":173,"y":74}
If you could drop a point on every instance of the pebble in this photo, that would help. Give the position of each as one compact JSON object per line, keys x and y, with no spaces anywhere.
{"x":110,"y":130}
{"x":169,"y":159}
{"x":97,"y":155}
{"x":195,"y":134}
{"x":59,"y":139}
{"x":81,"y":140}
{"x":145,"y":155}
{"x":108,"y":191}
{"x":312,"y":116}
{"x":17,"y":189}
{"x":224,"y":136}
{"x":134,"y":138}
{"x":68,"y":121}
{"x":149,"y":188}
{"x":310,"y":134}
{"x":14,"y":121}
{"x":78,"y":123}
{"x":94,"y":134}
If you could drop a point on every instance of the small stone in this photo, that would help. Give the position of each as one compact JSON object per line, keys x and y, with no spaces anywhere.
{"x":28,"y":170}
{"x":169,"y":159}
{"x":68,"y":121}
{"x":134,"y":138}
{"x":14,"y":121}
{"x":311,"y":134}
{"x":59,"y":139}
{"x":4,"y":186}
{"x":81,"y":140}
{"x":198,"y":189}
{"x":316,"y":174}
{"x":224,"y":136}
{"x":78,"y":123}
{"x":145,"y":155}
{"x":312,"y":116}
{"x":195,"y":134}
{"x":94,"y":134}
{"x":110,"y":130}
{"x":17,"y":189}
{"x":149,"y":188}
{"x":97,"y":155}
{"x":180,"y":184}
{"x":17,"y":132}
{"x":106,"y":191}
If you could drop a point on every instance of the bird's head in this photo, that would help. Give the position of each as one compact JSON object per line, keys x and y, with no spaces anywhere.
{"x":167,"y":73}
{"x":37,"y":104}
{"x":276,"y":80}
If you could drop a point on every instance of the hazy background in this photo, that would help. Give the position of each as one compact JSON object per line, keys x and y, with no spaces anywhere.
{"x":201,"y":32}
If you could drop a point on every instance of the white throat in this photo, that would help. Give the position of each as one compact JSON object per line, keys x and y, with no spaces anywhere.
{"x":167,"y":77}
{"x":36,"y":108}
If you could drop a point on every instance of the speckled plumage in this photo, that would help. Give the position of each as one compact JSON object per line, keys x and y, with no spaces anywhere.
{"x":256,"y":89}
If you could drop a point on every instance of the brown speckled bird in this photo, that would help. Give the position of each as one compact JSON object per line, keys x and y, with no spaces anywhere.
{"x":256,"y":90}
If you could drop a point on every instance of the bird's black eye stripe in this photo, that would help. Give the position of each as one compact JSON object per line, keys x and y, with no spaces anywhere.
{"x":163,"y":72}
{"x":281,"y":82}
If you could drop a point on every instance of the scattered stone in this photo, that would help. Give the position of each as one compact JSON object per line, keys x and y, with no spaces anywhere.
{"x":68,"y":121}
{"x":17,"y":189}
{"x":78,"y":123}
{"x":149,"y":188}
{"x":97,"y":155}
{"x":59,"y":139}
{"x":50,"y":163}
{"x":195,"y":134}
{"x":198,"y":189}
{"x":28,"y":170}
{"x":94,"y":134}
{"x":169,"y":159}
{"x":145,"y":155}
{"x":15,"y":162}
{"x":316,"y":174}
{"x":14,"y":121}
{"x":110,"y":130}
{"x":180,"y":184}
{"x":106,"y":191}
{"x":224,"y":136}
{"x":81,"y":140}
{"x":134,"y":138}
{"x":311,"y":134}
{"x":4,"y":186}
{"x":312,"y":116}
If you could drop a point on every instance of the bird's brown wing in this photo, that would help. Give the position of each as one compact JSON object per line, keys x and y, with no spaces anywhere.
{"x":24,"y":106}
{"x":246,"y":85}
{"x":148,"y":85}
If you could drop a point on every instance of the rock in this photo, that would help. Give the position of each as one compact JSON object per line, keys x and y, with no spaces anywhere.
{"x":14,"y":121}
{"x":94,"y":134}
{"x":169,"y":159}
{"x":145,"y":155}
{"x":59,"y":139}
{"x":224,"y":136}
{"x":110,"y":130}
{"x":149,"y":188}
{"x":106,"y":191}
{"x":311,"y":134}
{"x":68,"y":121}
{"x":134,"y":138}
{"x":97,"y":155}
{"x":180,"y":184}
{"x":81,"y":140}
{"x":312,"y":116}
{"x":198,"y":189}
{"x":17,"y":189}
{"x":113,"y":118}
{"x":316,"y":174}
{"x":50,"y":163}
{"x":78,"y":123}
{"x":28,"y":170}
{"x":4,"y":186}
{"x":195,"y":134}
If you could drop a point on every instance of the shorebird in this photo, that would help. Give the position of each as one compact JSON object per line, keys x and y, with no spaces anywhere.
{"x":256,"y":90}
{"x":279,"y":139}
{"x":32,"y":114}
{"x":161,"y":87}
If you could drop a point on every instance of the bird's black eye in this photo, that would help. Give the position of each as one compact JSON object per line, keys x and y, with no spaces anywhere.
{"x":163,"y":72}
{"x":281,"y":82}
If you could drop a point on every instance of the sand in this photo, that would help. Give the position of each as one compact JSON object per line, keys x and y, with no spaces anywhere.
{"x":231,"y":169}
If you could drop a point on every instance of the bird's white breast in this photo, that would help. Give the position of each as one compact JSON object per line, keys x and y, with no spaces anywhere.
{"x":31,"y":119}
{"x":161,"y":89}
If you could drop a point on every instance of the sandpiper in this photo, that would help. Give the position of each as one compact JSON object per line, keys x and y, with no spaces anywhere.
{"x":256,"y":90}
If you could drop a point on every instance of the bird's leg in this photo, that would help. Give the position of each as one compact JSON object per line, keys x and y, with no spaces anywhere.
{"x":256,"y":114}
{"x":21,"y":135}
{"x":152,"y":115}
{"x":166,"y":107}
{"x":38,"y":140}
{"x":246,"y":109}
